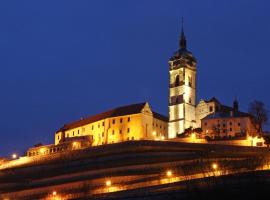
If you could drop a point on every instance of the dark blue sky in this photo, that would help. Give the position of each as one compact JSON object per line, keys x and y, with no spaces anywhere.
{"x":61,"y":60}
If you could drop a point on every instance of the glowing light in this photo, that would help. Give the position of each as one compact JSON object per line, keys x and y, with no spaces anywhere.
{"x":54,"y":193}
{"x":74,"y":144}
{"x":162,"y":138}
{"x":42,"y":150}
{"x":214,"y":166}
{"x":108,"y":183}
{"x":14,"y":156}
{"x":154,"y":133}
{"x":169,"y":173}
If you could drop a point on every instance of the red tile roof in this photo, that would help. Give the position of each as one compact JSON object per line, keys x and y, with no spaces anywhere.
{"x":120,"y":111}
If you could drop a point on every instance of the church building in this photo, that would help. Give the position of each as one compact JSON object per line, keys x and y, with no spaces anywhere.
{"x":182,"y":89}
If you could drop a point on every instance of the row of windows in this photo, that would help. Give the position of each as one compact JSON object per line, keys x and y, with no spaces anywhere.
{"x":83,"y":129}
{"x":224,"y":125}
{"x":113,"y":131}
{"x":160,"y":126}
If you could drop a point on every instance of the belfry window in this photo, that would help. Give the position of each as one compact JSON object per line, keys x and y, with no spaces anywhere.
{"x":189,"y":81}
{"x":177,"y":81}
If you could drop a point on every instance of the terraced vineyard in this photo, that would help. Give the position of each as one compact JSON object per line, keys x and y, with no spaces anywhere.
{"x":128,"y":170}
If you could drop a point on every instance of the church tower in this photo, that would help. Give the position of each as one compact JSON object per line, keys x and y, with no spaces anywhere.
{"x":182,"y":89}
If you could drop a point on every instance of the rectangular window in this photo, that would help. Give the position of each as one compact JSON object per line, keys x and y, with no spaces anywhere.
{"x":121,"y":120}
{"x":189,"y":81}
{"x":67,"y":135}
{"x":128,"y":130}
{"x":120,"y":131}
{"x":102,"y":134}
{"x":98,"y":125}
{"x":83,"y":129}
{"x":239,"y":124}
{"x":112,"y":132}
{"x":113,"y":121}
{"x":128,"y":119}
{"x":73,"y":133}
{"x":103,"y":123}
{"x":78,"y":132}
{"x":211,"y":109}
{"x":132,"y":138}
{"x":92,"y":127}
{"x":58,"y":137}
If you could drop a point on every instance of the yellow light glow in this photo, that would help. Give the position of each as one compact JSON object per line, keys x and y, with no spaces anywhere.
{"x":74,"y":144}
{"x":14,"y":156}
{"x":193,"y":136}
{"x":169,"y":173}
{"x":42,"y":150}
{"x":154,"y":133}
{"x":108,"y":183}
{"x":214,"y":166}
{"x":162,"y":138}
{"x":54,"y":193}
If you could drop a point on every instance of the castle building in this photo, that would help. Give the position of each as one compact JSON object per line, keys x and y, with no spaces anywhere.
{"x":182,"y":90}
{"x":132,"y":122}
{"x":224,"y":121}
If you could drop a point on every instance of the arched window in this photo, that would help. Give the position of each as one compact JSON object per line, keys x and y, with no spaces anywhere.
{"x":177,"y":81}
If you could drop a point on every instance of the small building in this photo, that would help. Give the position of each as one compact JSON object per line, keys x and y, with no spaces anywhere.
{"x":131,"y":122}
{"x":69,"y":144}
{"x":227,"y":122}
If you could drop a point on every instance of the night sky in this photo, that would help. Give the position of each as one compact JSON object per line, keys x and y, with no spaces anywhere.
{"x":63,"y":60}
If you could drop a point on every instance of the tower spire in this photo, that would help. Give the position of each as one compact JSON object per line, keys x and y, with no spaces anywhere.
{"x":183,"y":42}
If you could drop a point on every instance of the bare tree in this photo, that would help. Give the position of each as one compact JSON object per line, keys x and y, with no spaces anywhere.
{"x":260,"y":114}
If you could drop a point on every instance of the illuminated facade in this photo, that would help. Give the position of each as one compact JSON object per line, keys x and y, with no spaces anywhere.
{"x":132,"y":122}
{"x":226,"y":122}
{"x":182,"y":90}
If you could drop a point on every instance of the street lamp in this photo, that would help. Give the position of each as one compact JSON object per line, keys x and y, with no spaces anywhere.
{"x":169,"y":173}
{"x":214,"y":166}
{"x":108,"y":183}
{"x":14,"y":156}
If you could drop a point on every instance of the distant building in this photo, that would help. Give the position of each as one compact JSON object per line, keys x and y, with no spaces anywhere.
{"x":132,"y":122}
{"x":224,"y":121}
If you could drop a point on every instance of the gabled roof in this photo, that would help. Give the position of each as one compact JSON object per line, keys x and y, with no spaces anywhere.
{"x":120,"y":111}
{"x":159,"y":116}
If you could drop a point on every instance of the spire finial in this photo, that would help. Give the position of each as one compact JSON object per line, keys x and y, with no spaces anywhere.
{"x":183,"y":42}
